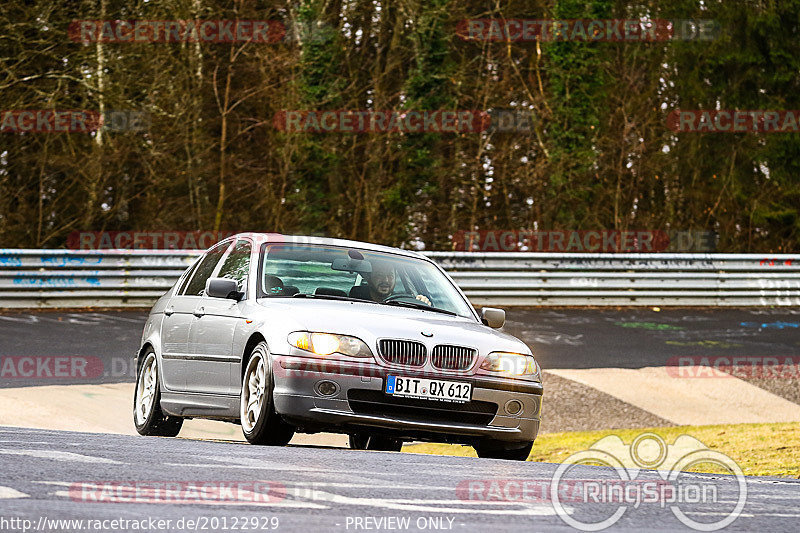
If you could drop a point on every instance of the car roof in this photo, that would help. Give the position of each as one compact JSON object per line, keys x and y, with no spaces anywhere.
{"x":269,"y":238}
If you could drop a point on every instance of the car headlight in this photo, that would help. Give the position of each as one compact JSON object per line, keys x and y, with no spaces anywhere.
{"x":516,"y":364}
{"x":328,"y":343}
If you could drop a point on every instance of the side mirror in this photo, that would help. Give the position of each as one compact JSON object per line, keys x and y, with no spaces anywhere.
{"x":223,"y":288}
{"x":492,"y":317}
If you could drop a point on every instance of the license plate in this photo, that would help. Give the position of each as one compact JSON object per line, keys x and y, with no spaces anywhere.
{"x":429,"y":389}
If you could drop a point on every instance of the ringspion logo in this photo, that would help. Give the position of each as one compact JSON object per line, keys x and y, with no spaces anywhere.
{"x":673,"y":488}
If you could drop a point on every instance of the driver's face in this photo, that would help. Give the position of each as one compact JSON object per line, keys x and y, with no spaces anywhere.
{"x":381,"y":280}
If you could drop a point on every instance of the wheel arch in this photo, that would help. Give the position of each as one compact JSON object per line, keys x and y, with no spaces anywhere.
{"x":252,"y":342}
{"x":147,"y":346}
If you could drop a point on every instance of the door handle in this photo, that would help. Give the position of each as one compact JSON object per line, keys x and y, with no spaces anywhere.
{"x":169,"y":310}
{"x":200,"y":311}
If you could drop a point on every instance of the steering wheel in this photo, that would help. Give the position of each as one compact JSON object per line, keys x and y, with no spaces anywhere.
{"x":396,"y":297}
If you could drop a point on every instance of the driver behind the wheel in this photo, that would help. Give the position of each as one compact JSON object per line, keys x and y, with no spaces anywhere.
{"x":381,"y":282}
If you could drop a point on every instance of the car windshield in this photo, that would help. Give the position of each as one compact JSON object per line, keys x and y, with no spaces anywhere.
{"x":302,"y":270}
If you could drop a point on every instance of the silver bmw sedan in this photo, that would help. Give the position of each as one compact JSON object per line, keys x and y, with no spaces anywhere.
{"x":300,"y":334}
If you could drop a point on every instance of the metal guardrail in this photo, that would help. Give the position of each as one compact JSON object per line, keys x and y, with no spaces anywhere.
{"x":633,"y":279}
{"x":136,"y":278}
{"x":90,"y":278}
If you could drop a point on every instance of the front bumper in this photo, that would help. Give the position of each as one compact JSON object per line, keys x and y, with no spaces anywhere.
{"x":360,"y":404}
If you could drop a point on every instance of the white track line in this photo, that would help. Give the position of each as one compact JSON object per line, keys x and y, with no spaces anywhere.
{"x":58,"y":455}
{"x":7,"y":493}
{"x":254,"y":503}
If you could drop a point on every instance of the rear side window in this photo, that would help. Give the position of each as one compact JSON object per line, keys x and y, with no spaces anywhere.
{"x":204,"y":269}
{"x":237,"y":264}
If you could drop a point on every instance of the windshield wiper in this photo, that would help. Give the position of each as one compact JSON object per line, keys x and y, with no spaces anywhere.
{"x":420,"y":305}
{"x":331,"y":297}
{"x":397,"y":303}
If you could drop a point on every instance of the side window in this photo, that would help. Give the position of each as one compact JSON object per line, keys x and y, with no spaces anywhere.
{"x":204,"y":269}
{"x":237,"y":264}
{"x":433,"y":286}
{"x":187,"y":277}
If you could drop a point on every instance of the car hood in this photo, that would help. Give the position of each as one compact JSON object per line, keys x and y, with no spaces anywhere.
{"x":370,"y":322}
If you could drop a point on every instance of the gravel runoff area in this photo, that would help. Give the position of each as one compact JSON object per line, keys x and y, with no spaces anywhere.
{"x":571,"y":406}
{"x":788,"y":389}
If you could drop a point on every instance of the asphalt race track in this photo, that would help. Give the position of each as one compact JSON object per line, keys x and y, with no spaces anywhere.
{"x":560,"y":338}
{"x":603,"y":369}
{"x":49,"y":475}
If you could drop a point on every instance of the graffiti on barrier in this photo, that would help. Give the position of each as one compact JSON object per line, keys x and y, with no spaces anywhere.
{"x":70,"y":318}
{"x":66,"y":260}
{"x":656,"y":264}
{"x":584,"y":282}
{"x":10,"y":260}
{"x":706,"y":344}
{"x":652,"y":326}
{"x":54,"y":282}
{"x":770,"y":325}
{"x":551,"y":337}
{"x":776,"y":262}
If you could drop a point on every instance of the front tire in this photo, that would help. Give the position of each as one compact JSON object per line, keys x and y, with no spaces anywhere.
{"x":495,"y":450}
{"x":260,"y":423}
{"x":148,"y":417}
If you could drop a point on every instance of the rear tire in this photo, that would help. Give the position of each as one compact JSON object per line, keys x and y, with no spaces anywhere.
{"x":364,"y":441}
{"x":497,"y":450}
{"x":148,"y":417}
{"x":260,"y":423}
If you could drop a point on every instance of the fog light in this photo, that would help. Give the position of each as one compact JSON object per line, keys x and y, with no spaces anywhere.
{"x":327,"y":388}
{"x":513,"y":407}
